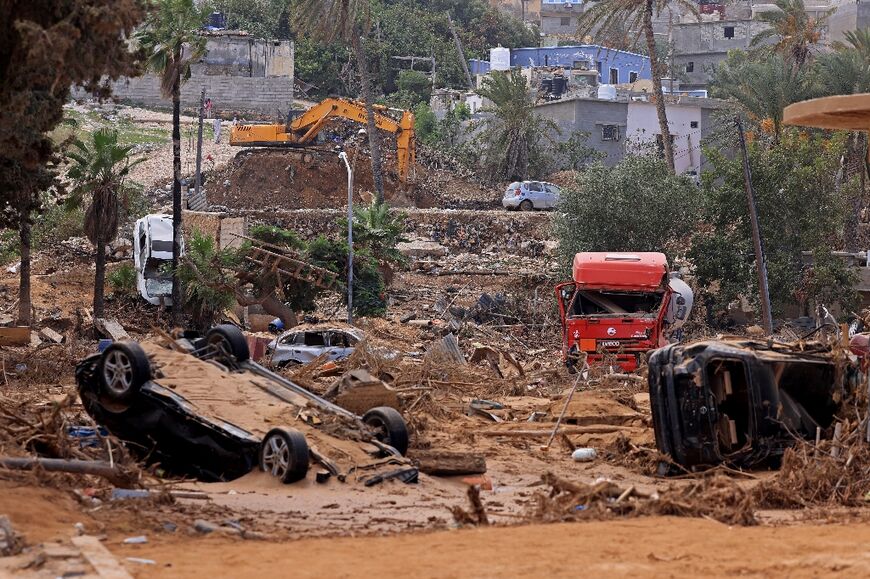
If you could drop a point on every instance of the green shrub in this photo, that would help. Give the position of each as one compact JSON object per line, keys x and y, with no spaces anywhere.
{"x":8,"y":246}
{"x":123,"y":280}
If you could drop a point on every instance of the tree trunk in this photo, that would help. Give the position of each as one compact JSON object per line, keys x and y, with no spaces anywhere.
{"x":24,"y":304}
{"x":655,"y":68}
{"x":176,"y":198}
{"x":99,"y":274}
{"x":368,"y":99}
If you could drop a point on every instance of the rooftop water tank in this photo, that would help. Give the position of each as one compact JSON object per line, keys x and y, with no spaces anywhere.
{"x":607,"y":92}
{"x":500,"y":58}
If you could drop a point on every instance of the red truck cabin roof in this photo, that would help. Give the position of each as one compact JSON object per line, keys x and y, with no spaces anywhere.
{"x":643,"y":271}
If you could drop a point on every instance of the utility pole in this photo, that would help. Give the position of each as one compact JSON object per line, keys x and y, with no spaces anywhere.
{"x":343,"y":157}
{"x":461,"y":54}
{"x":760,"y":262}
{"x":198,"y":181}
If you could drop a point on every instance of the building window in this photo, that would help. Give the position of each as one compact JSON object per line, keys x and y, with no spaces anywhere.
{"x":693,"y":124}
{"x":614,"y":76}
{"x":565,"y":21}
{"x":610,"y":132}
{"x":632,"y":76}
{"x":729,"y":32}
{"x":690,"y":66}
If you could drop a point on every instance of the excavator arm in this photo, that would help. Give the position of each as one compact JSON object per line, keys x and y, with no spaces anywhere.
{"x":302,"y":131}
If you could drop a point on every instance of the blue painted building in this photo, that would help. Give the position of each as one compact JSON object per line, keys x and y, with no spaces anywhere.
{"x":614,"y":66}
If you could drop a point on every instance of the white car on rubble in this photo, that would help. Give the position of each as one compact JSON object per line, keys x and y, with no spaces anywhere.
{"x":530,"y":195}
{"x":152,"y":250}
{"x":302,"y":345}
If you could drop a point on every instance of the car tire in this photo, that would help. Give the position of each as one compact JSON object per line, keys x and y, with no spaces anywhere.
{"x":284,"y":454}
{"x":389,"y":426}
{"x":230,"y":341}
{"x":124,"y":368}
{"x":526,"y":205}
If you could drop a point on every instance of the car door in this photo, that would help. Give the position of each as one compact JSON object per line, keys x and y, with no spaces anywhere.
{"x":552,"y":195}
{"x":341,"y":345}
{"x":536,"y":192}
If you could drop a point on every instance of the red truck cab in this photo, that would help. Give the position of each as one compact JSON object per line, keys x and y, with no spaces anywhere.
{"x":615,"y":308}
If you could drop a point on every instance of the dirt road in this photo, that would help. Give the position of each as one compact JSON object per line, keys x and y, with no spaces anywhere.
{"x":652,"y":547}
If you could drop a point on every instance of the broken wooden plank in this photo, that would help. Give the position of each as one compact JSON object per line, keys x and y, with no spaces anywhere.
{"x":15,"y":336}
{"x":111,"y":329}
{"x":100,"y":558}
{"x":443,"y":463}
{"x":51,"y":335}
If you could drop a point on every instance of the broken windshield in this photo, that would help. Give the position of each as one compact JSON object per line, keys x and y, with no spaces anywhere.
{"x":604,"y":303}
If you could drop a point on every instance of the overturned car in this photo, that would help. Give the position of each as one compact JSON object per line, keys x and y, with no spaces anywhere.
{"x":199,"y":406}
{"x":743,"y":402}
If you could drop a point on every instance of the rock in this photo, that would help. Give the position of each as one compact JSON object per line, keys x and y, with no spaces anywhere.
{"x":204,"y":527}
{"x":51,"y":335}
{"x":421,"y":249}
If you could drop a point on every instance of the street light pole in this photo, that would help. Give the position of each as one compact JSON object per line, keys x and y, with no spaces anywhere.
{"x":343,"y":156}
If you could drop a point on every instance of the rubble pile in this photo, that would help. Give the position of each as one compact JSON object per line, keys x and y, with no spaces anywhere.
{"x":716,"y":497}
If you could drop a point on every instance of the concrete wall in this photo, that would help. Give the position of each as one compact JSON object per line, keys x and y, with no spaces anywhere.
{"x":643,"y":127}
{"x":242,"y":76}
{"x":590,"y":116}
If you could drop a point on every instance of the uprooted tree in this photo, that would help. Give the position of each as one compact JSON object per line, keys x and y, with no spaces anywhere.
{"x":46,"y":47}
{"x":284,"y":274}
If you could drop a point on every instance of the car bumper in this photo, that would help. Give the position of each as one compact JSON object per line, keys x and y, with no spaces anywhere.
{"x":511,"y":202}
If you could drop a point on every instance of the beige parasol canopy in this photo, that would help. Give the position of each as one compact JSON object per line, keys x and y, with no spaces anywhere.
{"x":846,"y":112}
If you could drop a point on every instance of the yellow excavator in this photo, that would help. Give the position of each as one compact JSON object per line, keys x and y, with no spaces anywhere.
{"x":301,"y":131}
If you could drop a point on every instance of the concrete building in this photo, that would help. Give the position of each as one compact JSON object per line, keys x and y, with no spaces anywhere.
{"x":630,"y":124}
{"x":559,"y":17}
{"x":242,"y":76}
{"x":849,"y":15}
{"x":700,"y":46}
{"x":614,"y":66}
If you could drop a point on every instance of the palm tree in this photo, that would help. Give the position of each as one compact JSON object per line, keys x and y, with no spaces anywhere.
{"x":98,"y":171}
{"x":847,"y":69}
{"x":794,"y":30}
{"x":609,"y":16}
{"x":763,"y":87}
{"x":513,"y":131}
{"x":347,"y":20}
{"x":171,"y":41}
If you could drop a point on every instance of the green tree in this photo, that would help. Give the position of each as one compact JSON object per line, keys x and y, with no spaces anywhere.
{"x":46,"y":47}
{"x":512,"y":134}
{"x":763,"y":87}
{"x":636,"y":205}
{"x":795,"y":31}
{"x":348,"y":20}
{"x":415,"y":87}
{"x":207,"y":276}
{"x":605,"y":16}
{"x":800,"y":208}
{"x":261,"y":18}
{"x":98,"y":171}
{"x":171,"y":41}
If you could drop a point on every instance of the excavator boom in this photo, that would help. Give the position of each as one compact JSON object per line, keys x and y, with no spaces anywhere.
{"x":302,"y":131}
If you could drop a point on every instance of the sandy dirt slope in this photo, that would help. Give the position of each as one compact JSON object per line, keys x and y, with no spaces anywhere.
{"x":653,"y":547}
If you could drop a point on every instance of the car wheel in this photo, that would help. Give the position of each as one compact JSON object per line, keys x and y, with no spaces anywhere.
{"x":526,"y":205}
{"x":124,"y":368}
{"x":284,"y":454}
{"x":389,"y":427}
{"x":230,"y":342}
